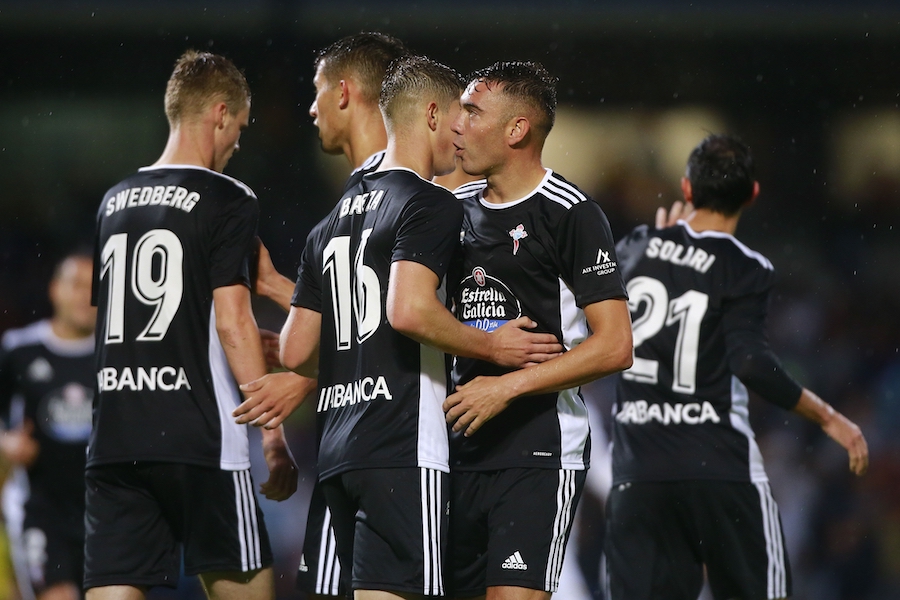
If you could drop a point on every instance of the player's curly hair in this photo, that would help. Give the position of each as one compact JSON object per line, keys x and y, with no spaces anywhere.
{"x":411,"y":79}
{"x":366,"y":55}
{"x":200,"y":78}
{"x":525,"y":82}
{"x":721,"y":173}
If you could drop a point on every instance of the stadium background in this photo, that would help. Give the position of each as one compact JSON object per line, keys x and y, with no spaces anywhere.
{"x":813,"y":87}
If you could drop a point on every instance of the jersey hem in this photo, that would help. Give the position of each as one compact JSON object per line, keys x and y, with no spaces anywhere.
{"x":568,"y":466}
{"x":359,"y":466}
{"x":214,"y":464}
{"x":619,"y":481}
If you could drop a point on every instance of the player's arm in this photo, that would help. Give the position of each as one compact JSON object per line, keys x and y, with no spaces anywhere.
{"x":414,"y":309}
{"x":17,"y":446}
{"x":239,"y":335}
{"x":300,"y":341}
{"x":269,"y":282}
{"x":756,"y":365}
{"x":607,"y":350}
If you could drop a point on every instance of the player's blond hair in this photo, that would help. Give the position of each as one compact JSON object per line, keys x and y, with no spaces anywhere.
{"x":200,"y":78}
{"x":411,"y":80}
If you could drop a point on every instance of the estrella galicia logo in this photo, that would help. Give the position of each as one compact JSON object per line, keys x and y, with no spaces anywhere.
{"x":65,"y":413}
{"x":517,"y":234}
{"x":486,"y":302}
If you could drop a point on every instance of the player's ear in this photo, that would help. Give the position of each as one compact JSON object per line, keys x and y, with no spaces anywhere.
{"x":519,"y":127}
{"x":431,"y":115}
{"x":686,"y":190}
{"x":754,"y":194}
{"x":345,"y":94}
{"x":220,"y":111}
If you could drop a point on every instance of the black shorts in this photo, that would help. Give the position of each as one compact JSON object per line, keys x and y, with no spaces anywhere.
{"x":390,"y":526}
{"x":137,"y":516}
{"x":320,"y":570}
{"x":53,"y":542}
{"x":659,"y":536}
{"x":510,"y":527}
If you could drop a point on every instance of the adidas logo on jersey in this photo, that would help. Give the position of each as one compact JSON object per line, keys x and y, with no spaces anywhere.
{"x":514,"y":562}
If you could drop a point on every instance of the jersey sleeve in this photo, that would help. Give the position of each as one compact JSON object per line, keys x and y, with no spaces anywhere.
{"x":232,"y":238}
{"x":588,"y":255}
{"x":308,"y":289}
{"x":749,"y":356}
{"x":429,"y":231}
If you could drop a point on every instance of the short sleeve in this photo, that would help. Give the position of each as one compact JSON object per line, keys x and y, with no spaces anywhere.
{"x":588,"y":255}
{"x":232,"y":241}
{"x":308,"y":289}
{"x":429,"y":230}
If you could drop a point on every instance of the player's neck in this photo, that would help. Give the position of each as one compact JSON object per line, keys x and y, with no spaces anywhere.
{"x":66,"y":331}
{"x":409,"y":152}
{"x":703,"y":219}
{"x":367,"y":136}
{"x":514,"y":180}
{"x":187,"y":146}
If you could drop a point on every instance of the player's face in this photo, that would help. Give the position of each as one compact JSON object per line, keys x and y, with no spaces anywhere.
{"x":480,"y":129}
{"x":228,"y":138}
{"x":325,"y":112}
{"x":445,"y":150}
{"x":70,"y":295}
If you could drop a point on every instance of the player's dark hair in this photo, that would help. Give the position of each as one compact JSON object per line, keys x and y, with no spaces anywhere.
{"x":367,"y":55}
{"x":721,"y":173}
{"x":200,"y":78}
{"x":411,"y":79}
{"x":527,"y":82}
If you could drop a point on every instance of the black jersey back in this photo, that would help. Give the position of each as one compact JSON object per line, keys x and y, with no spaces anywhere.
{"x":54,"y":380}
{"x":681,"y":414}
{"x":545,"y":256}
{"x":380,"y":392}
{"x":166,"y":238}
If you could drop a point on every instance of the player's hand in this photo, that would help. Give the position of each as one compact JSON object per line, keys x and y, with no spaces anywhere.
{"x":283,"y":473}
{"x":270,"y":344}
{"x":18,"y":446}
{"x":476,"y":403}
{"x":678,"y":210}
{"x":846,"y":433}
{"x":272,"y":398}
{"x":512,"y":346}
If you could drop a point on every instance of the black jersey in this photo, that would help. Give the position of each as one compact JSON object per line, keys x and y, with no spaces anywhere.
{"x":380,"y":392}
{"x":546,"y":257}
{"x":698,"y":303}
{"x":369,"y":166}
{"x":166,"y":238}
{"x":54,"y":380}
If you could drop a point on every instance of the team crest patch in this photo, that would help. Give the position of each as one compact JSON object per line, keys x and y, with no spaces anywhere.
{"x":517,"y":234}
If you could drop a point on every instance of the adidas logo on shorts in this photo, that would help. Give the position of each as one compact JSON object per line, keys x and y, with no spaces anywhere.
{"x":514,"y":562}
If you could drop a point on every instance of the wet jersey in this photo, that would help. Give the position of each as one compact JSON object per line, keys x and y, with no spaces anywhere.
{"x":698,"y":304}
{"x":166,"y":238}
{"x":380,"y":392}
{"x":545,"y":256}
{"x":54,"y":380}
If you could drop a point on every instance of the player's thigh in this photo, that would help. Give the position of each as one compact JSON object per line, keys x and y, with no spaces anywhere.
{"x":254,"y":585}
{"x":743,"y":544}
{"x":320,"y":569}
{"x":52,"y":544}
{"x":468,"y":536}
{"x":529,"y":521}
{"x":399,"y":528}
{"x":128,"y":541}
{"x":222,"y":528}
{"x":651,"y":547}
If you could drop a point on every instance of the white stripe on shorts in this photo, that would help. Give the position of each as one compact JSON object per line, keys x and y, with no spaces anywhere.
{"x":431,"y":531}
{"x":565,"y":498}
{"x":328,"y":573}
{"x":776,"y":574}
{"x":248,"y":525}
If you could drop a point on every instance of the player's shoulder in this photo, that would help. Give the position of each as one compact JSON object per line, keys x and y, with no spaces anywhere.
{"x":202,"y":175}
{"x":370,"y":165}
{"x":31,"y":335}
{"x":729,"y":246}
{"x":557,"y":190}
{"x":470,"y":189}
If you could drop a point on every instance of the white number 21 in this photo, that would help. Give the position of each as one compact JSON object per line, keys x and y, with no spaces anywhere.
{"x":164,"y":291}
{"x":687,"y":311}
